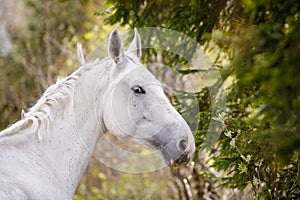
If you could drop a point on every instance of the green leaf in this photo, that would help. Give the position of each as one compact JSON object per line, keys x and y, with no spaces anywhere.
{"x":105,"y":12}
{"x":242,"y":168}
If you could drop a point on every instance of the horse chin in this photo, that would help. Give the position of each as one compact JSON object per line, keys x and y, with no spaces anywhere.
{"x":171,"y":163}
{"x":167,"y":159}
{"x":174,"y":162}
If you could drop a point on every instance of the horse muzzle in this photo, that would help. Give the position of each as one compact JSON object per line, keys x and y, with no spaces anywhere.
{"x":184,"y":158}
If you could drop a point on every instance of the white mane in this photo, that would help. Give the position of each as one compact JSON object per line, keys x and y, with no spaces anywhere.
{"x":55,"y":101}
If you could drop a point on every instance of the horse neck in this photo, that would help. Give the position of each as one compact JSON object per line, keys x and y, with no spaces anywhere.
{"x":57,"y":155}
{"x":69,"y":146}
{"x":82,"y":126}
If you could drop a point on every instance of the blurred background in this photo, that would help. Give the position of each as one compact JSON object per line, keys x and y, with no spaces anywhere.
{"x":255,"y":45}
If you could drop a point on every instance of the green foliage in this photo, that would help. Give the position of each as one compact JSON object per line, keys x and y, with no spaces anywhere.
{"x":272,"y":71}
{"x":194,"y":18}
{"x":38,"y":53}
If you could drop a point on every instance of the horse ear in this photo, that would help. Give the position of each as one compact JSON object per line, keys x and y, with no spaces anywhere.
{"x":135,"y":46}
{"x":115,"y":47}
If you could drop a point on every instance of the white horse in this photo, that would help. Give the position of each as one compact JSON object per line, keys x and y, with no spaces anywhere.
{"x":44,"y":155}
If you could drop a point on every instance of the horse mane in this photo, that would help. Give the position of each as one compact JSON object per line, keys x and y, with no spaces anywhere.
{"x":54,"y":101}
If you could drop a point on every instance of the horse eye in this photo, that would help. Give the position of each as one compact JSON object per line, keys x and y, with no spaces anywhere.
{"x":138,"y":89}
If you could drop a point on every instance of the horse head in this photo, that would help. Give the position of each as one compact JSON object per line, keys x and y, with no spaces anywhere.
{"x":137,"y":107}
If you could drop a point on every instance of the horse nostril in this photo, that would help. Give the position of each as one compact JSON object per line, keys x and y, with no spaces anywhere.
{"x":182,"y":145}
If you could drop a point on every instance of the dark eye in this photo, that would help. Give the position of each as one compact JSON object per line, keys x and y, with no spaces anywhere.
{"x":138,"y":89}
